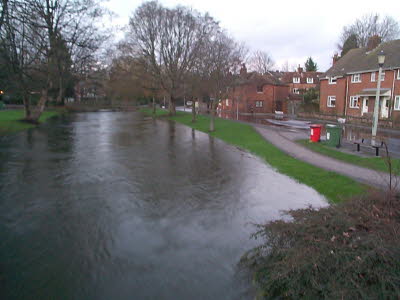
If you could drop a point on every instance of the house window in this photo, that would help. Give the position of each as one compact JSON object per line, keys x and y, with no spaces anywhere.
{"x":332,"y":80}
{"x":296,"y":91}
{"x":354,"y":102}
{"x":310,"y":80}
{"x":296,"y":79}
{"x":259,"y":103}
{"x":227,"y":102}
{"x":398,"y":74}
{"x":259,"y":89}
{"x":397,"y":103}
{"x":331,"y":101}
{"x":373,"y":76}
{"x":383,"y":76}
{"x":355,"y":78}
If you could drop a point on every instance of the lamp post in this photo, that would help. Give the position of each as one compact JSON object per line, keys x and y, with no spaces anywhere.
{"x":381,"y":61}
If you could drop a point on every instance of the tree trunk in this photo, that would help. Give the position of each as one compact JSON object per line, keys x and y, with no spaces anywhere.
{"x":27,"y":106}
{"x":154,"y":107}
{"x":193,"y":110}
{"x":40,"y":106}
{"x":172,"y":111}
{"x":212,"y":117}
{"x":60,"y":96}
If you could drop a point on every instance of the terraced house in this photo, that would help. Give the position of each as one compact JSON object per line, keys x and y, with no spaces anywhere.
{"x":349,"y":87}
{"x":256,"y":93}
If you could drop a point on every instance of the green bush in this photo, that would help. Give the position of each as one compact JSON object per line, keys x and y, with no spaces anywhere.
{"x":345,"y":251}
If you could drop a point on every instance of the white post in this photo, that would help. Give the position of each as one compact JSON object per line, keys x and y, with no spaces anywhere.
{"x":376,"y":108}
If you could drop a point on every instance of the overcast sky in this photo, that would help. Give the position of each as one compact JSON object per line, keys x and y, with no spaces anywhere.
{"x":289,"y":30}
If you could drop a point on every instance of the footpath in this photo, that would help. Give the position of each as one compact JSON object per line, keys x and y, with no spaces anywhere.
{"x":284,"y":140}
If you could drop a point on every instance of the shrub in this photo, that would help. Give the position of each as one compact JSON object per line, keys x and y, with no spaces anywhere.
{"x":345,"y":251}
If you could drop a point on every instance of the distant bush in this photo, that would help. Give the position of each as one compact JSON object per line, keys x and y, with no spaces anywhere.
{"x":345,"y":251}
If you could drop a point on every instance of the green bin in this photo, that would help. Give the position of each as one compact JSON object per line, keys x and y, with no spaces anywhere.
{"x":2,"y":106}
{"x":333,"y":135}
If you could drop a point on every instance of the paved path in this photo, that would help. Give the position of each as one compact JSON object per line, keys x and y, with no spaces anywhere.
{"x":283,"y":139}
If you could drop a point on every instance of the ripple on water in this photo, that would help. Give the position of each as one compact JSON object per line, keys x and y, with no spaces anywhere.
{"x":115,"y":206}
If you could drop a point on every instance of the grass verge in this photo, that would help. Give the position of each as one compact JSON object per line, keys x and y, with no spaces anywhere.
{"x":375,"y":163}
{"x":333,"y":186}
{"x":10,"y":120}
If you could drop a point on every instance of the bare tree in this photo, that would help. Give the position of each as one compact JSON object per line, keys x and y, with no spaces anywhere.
{"x":3,"y":7}
{"x":286,"y":67}
{"x":169,"y":40}
{"x":370,"y":25}
{"x":261,"y":62}
{"x":40,"y":40}
{"x":222,"y":60}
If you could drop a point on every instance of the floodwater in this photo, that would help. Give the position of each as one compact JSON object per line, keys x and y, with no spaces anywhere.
{"x":113,"y":205}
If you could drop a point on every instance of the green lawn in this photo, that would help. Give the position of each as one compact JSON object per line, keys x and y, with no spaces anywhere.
{"x":10,"y":120}
{"x":375,"y":163}
{"x":333,"y":186}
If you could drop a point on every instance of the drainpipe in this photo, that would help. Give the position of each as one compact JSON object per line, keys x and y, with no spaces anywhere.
{"x":347,"y":93}
{"x":391,"y":107}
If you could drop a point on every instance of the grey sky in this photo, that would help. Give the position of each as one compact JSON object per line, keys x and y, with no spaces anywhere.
{"x":289,"y":30}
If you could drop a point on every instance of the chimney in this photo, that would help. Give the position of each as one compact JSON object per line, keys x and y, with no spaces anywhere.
{"x":335,"y":58}
{"x":373,"y":42}
{"x":299,"y":69}
{"x":243,"y":70}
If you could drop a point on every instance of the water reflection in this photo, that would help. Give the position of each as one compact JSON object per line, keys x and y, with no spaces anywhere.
{"x":117,"y":206}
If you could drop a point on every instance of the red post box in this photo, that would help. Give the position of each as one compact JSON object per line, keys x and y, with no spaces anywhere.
{"x":315,"y":135}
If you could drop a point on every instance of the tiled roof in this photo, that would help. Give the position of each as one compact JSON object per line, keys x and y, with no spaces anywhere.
{"x":288,"y":76}
{"x":359,"y":60}
{"x":259,"y":79}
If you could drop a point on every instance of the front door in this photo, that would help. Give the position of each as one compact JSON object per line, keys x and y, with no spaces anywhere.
{"x":384,"y":108}
{"x":365,"y":106}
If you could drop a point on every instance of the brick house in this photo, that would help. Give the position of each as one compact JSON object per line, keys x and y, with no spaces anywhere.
{"x":348,"y":88}
{"x":256,"y":93}
{"x":300,"y":81}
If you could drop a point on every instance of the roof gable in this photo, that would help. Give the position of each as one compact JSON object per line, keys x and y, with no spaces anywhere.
{"x":359,"y":60}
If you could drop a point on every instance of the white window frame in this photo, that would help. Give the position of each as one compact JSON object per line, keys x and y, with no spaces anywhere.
{"x":356,"y":78}
{"x":396,"y":103}
{"x":296,"y":79}
{"x":227,"y":102}
{"x":354,"y":103}
{"x":373,"y":76}
{"x":259,"y":103}
{"x":332,"y":80}
{"x":383,"y":75}
{"x":398,"y":74}
{"x":310,"y":80}
{"x":329,"y":102}
{"x":296,"y":91}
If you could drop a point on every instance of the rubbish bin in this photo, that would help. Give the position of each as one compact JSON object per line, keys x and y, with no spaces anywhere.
{"x":315,"y":135}
{"x":333,"y":135}
{"x":2,"y":106}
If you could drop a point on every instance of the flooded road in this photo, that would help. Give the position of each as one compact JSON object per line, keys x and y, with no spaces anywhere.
{"x":117,"y":206}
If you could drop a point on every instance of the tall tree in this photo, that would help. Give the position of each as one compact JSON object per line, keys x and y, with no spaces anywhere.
{"x":370,"y":25}
{"x":310,"y":65}
{"x":261,"y":62}
{"x":43,"y":38}
{"x":3,"y":7}
{"x":170,"y":42}
{"x":350,"y":43}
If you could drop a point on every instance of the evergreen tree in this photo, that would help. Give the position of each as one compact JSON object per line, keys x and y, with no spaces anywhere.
{"x":350,"y":43}
{"x":310,"y":65}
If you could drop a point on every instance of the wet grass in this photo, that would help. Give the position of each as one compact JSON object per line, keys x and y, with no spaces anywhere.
{"x":11,"y":120}
{"x":374,"y":163}
{"x":333,"y":186}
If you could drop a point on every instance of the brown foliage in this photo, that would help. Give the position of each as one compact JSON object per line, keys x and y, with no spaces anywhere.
{"x":345,"y":251}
